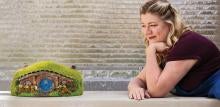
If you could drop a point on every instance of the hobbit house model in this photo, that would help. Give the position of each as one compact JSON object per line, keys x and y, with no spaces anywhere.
{"x":47,"y":78}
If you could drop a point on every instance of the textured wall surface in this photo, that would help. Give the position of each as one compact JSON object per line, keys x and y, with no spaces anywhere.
{"x":100,"y":37}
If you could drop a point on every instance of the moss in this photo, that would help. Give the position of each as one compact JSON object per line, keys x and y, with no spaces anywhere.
{"x":54,"y":93}
{"x":75,"y":75}
{"x":26,"y":94}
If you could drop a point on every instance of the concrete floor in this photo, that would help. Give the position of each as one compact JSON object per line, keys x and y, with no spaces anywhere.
{"x":104,"y":99}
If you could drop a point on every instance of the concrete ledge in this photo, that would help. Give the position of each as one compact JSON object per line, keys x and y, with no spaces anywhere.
{"x":104,"y":99}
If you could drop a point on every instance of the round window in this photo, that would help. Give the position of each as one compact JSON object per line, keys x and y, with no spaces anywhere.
{"x":46,"y":85}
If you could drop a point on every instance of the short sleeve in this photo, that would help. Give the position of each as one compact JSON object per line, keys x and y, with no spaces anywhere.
{"x":191,"y":46}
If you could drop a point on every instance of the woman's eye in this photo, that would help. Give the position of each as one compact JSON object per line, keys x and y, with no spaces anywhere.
{"x":143,"y":26}
{"x":153,"y":25}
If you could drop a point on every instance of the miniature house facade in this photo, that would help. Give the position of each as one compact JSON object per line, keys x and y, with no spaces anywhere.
{"x":45,"y":82}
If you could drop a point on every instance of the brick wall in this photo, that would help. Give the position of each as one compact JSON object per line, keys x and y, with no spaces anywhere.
{"x":217,"y":39}
{"x":101,"y":37}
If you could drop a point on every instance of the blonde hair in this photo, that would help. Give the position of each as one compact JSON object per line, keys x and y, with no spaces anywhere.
{"x":169,"y":14}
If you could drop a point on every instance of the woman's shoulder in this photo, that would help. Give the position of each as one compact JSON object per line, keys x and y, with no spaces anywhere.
{"x":191,"y":34}
{"x":194,"y":37}
{"x":192,"y":41}
{"x":192,"y":45}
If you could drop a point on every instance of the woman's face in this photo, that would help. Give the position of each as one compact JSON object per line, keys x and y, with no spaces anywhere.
{"x":154,"y":28}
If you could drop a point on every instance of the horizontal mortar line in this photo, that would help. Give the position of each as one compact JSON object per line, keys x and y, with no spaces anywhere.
{"x":67,"y":36}
{"x":98,"y":55}
{"x":87,"y":15}
{"x":63,"y":62}
{"x":195,"y":4}
{"x":100,"y":18}
{"x":80,"y":11}
{"x":110,"y":68}
{"x":94,"y":13}
{"x":121,"y":70}
{"x":91,"y":6}
{"x":114,"y":33}
{"x":48,"y":53}
{"x":85,"y":24}
{"x":77,"y":7}
{"x":118,"y":68}
{"x":78,"y":58}
{"x":81,"y":4}
{"x":97,"y":11}
{"x":192,"y":9}
{"x":67,"y":42}
{"x":99,"y":23}
{"x":123,"y":49}
{"x":68,"y":18}
{"x":114,"y":41}
{"x":93,"y":68}
{"x":84,"y":12}
{"x":72,"y":51}
{"x":107,"y":79}
{"x":86,"y":52}
{"x":87,"y":64}
{"x":95,"y":18}
{"x":127,"y":3}
{"x":71,"y":23}
{"x":76,"y":53}
{"x":63,"y":41}
{"x":201,"y":15}
{"x":118,"y":29}
{"x":87,"y":2}
{"x":93,"y":38}
{"x":100,"y":11}
{"x":120,"y":43}
{"x":128,"y":58}
{"x":89,"y":26}
{"x":86,"y":27}
{"x":107,"y":65}
{"x":63,"y":35}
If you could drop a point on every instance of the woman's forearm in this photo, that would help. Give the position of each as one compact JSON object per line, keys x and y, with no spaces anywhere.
{"x":153,"y":71}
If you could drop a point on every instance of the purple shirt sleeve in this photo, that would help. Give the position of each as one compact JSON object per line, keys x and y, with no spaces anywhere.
{"x":192,"y":46}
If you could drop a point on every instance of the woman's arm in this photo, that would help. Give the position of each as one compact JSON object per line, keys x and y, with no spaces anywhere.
{"x":160,"y":82}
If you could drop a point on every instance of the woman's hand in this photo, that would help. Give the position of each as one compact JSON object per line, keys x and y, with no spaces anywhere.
{"x":158,"y":47}
{"x":138,"y":93}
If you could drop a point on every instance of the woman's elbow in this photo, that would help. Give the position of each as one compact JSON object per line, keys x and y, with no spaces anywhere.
{"x":157,"y":94}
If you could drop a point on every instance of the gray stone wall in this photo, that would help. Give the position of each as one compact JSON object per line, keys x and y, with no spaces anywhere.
{"x":101,"y":38}
{"x":217,"y":39}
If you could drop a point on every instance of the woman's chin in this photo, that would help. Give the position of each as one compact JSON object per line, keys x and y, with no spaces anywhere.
{"x":150,"y":42}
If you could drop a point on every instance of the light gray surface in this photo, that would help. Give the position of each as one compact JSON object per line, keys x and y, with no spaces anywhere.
{"x":104,"y":99}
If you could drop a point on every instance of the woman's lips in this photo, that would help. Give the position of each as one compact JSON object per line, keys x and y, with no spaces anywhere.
{"x":152,"y":37}
{"x":149,"y":38}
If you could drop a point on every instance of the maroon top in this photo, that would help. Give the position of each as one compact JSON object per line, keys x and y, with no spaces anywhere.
{"x":192,"y":45}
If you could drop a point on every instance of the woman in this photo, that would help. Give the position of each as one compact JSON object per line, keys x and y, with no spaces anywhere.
{"x":178,"y":60}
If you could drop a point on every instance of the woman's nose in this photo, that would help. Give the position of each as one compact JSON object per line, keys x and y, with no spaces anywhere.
{"x":147,"y":31}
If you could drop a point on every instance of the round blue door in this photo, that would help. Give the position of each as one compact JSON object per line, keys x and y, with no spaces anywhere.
{"x":46,"y":85}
